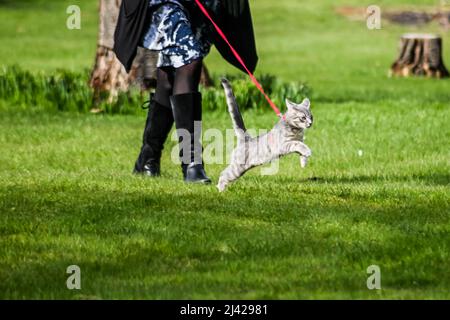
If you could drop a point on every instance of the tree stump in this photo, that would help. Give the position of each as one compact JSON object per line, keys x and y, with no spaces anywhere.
{"x":420,"y":55}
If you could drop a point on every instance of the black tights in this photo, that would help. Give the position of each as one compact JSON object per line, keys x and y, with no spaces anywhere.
{"x":171,"y":81}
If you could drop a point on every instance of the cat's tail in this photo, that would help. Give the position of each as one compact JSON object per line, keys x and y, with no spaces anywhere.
{"x":233,"y":109}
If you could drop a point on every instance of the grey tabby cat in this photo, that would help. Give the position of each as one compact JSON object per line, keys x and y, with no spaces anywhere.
{"x":286,"y":137}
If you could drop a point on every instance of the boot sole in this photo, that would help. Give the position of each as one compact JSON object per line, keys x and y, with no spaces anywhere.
{"x":199,"y":181}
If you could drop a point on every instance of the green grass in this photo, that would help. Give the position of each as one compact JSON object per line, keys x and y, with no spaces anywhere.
{"x":67,"y":195}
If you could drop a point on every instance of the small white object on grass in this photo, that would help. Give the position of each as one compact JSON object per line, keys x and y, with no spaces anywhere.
{"x":360,"y":153}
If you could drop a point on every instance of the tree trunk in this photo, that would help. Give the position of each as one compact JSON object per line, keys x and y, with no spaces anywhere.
{"x":420,"y":55}
{"x":108,"y":74}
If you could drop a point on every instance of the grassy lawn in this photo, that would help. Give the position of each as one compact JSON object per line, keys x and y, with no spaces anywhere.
{"x":376,"y":191}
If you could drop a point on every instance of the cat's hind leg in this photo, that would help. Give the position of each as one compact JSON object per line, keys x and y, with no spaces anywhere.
{"x":230,"y":174}
{"x":222,"y":184}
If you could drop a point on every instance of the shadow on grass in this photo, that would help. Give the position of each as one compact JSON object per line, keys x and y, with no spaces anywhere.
{"x":157,"y":241}
{"x":439,"y":179}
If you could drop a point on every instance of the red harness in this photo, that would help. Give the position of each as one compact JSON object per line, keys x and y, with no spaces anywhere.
{"x":238,"y":57}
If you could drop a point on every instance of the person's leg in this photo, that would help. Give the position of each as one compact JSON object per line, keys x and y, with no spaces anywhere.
{"x":158,"y":125}
{"x":164,"y":85}
{"x":187,"y":78}
{"x":187,"y":110}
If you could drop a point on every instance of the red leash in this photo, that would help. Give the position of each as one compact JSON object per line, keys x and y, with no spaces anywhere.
{"x":238,"y":57}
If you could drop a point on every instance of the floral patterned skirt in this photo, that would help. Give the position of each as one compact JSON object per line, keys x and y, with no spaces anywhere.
{"x":171,"y":32}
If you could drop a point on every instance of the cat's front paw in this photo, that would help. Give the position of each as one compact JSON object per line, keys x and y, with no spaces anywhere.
{"x":303,"y":161}
{"x":307,"y":153}
{"x":304,"y":157}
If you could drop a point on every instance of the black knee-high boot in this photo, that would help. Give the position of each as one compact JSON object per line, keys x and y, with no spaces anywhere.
{"x":157,"y":127}
{"x":187,"y":112}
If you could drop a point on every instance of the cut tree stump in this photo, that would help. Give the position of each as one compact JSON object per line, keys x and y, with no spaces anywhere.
{"x":420,"y":55}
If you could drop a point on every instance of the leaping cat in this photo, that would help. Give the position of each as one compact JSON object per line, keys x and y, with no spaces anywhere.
{"x":286,"y":137}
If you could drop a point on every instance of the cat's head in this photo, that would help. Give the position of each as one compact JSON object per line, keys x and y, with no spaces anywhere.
{"x":299,"y":115}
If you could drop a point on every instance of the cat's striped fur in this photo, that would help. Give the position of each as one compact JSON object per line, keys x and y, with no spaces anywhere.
{"x":286,"y":137}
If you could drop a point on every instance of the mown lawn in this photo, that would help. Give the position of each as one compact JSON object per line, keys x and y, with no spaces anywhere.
{"x":376,"y":191}
{"x":67,"y":197}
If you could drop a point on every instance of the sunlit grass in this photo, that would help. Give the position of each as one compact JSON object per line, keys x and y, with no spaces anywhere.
{"x":68,"y":197}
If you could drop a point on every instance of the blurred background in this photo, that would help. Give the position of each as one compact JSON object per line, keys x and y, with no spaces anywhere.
{"x":324,"y":43}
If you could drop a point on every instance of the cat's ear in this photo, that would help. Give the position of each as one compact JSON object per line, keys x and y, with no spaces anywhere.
{"x":290,"y":104}
{"x":306,"y":103}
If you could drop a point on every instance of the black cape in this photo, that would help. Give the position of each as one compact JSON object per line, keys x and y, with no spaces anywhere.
{"x":134,"y":20}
